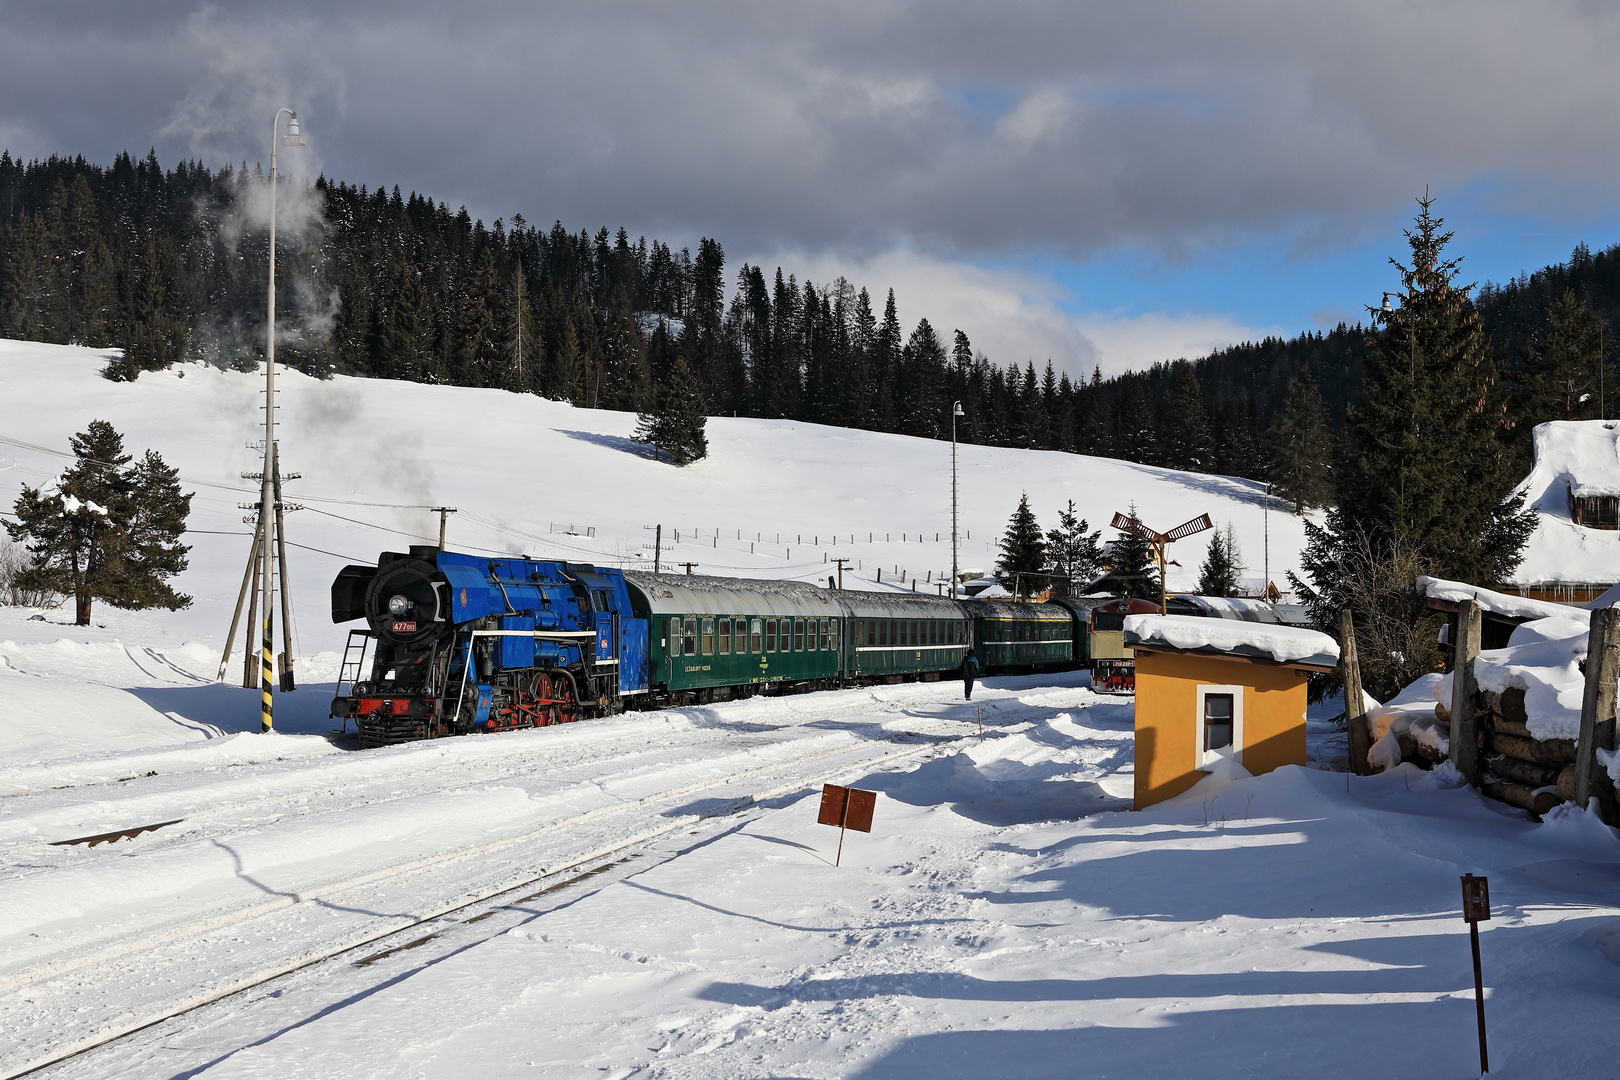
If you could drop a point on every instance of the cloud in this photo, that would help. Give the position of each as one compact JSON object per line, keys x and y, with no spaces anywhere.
{"x":1014,"y":316}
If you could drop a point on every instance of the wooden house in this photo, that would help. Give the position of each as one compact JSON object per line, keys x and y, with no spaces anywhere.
{"x":1208,"y":689}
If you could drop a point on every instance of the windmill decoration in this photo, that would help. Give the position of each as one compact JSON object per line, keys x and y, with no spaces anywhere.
{"x":1158,"y":541}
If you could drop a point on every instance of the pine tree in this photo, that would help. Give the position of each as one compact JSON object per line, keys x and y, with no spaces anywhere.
{"x":1133,"y":571}
{"x":677,"y":420}
{"x":1427,"y":460}
{"x":1220,"y":572}
{"x":1072,"y":553}
{"x":1299,"y":443}
{"x":1559,"y":374}
{"x":1191,"y":446}
{"x":1021,"y":566}
{"x":105,"y":530}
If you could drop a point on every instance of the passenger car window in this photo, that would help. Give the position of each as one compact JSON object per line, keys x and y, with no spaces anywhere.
{"x":758,"y":636}
{"x":708,"y":637}
{"x":674,"y":642}
{"x":770,"y":635}
{"x":798,"y":635}
{"x":689,"y":638}
{"x":725,"y":637}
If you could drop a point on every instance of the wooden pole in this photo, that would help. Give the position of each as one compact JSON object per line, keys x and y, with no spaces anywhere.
{"x":1597,"y":712}
{"x":1479,"y":998}
{"x":1355,"y":712}
{"x":236,"y":616}
{"x":842,"y":819}
{"x":250,"y":677}
{"x":1465,"y":693}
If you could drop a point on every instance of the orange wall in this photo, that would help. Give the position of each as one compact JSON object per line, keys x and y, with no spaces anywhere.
{"x":1167,"y":719}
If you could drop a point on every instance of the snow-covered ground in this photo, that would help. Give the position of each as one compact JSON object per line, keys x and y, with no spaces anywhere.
{"x":650,"y":895}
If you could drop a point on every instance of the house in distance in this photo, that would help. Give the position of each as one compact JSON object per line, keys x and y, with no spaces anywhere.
{"x":1208,"y":689}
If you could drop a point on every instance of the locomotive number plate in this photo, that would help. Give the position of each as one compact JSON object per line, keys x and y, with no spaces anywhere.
{"x":404,"y":628}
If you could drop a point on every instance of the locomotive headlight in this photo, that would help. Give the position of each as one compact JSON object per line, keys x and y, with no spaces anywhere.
{"x":399,"y":605}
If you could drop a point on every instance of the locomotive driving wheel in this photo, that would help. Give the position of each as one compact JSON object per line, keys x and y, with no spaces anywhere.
{"x":566,"y":709}
{"x":539,"y":701}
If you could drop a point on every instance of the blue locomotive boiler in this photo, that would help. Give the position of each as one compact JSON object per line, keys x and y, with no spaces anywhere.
{"x":455,"y":643}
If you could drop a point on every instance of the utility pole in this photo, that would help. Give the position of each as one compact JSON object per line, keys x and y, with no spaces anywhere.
{"x":442,"y":511}
{"x":689,"y":566}
{"x":956,"y":410}
{"x":840,"y":563}
{"x":658,"y":546}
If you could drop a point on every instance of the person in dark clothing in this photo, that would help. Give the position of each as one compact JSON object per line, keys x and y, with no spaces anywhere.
{"x":970,"y":668}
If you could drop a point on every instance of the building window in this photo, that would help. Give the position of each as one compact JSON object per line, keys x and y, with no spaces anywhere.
{"x":1217,"y":721}
{"x":725,"y":637}
{"x":1220,"y":724}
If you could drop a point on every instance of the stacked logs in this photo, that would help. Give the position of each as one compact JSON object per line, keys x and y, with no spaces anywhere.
{"x":1532,"y":774}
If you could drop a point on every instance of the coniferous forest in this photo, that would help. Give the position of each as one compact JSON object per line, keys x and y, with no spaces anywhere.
{"x":169,"y":265}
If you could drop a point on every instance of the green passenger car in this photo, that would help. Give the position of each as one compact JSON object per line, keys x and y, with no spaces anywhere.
{"x":898,"y":636}
{"x":1013,"y":634}
{"x":709,"y":633}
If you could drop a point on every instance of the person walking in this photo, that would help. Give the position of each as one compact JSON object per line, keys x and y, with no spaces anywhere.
{"x":970,"y":668}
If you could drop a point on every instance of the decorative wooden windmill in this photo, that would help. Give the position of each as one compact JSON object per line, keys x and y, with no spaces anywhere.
{"x":1158,"y":541}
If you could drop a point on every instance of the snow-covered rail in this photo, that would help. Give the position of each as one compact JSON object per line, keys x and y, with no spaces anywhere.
{"x":293,"y":862}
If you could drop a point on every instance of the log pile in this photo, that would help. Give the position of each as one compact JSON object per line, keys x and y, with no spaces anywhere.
{"x":1532,"y":774}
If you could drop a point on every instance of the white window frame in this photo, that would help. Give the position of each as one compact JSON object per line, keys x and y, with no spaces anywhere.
{"x":1235,"y":751}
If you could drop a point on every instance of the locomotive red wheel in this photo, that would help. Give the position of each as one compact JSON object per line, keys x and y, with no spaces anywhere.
{"x":544,"y":713}
{"x":566,"y":711}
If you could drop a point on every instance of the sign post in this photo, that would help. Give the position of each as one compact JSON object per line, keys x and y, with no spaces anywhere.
{"x":847,"y":808}
{"x":1476,"y":908}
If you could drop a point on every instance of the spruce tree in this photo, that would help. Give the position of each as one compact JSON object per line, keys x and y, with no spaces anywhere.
{"x":1073,"y":554}
{"x":1220,"y":572}
{"x":1022,"y":562}
{"x":1558,"y":377}
{"x":1427,"y":461}
{"x":1299,"y":443}
{"x":1132,"y":571}
{"x":1190,"y":444}
{"x":677,"y":420}
{"x":105,"y":530}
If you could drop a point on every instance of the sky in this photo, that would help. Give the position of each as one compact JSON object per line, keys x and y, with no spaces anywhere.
{"x":1095,"y":183}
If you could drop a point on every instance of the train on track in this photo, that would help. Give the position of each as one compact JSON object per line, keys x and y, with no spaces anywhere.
{"x":457,"y":643}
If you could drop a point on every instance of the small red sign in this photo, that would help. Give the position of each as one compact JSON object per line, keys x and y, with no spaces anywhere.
{"x":1476,"y":893}
{"x":404,"y":628}
{"x":849,"y":808}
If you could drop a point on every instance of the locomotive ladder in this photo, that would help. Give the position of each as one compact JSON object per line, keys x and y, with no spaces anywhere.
{"x":354,"y":659}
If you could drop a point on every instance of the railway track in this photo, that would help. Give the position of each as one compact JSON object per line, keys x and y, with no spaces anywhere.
{"x":66,"y":997}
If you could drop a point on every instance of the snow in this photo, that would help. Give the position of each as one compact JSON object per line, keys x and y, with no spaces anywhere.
{"x":1543,"y":659}
{"x":1583,"y":455}
{"x":1410,"y":713}
{"x":1504,"y":604}
{"x":649,"y":895}
{"x":1283,"y":644}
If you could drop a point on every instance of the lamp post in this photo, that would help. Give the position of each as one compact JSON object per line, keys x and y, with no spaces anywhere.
{"x":956,"y":410}
{"x":266,"y":490}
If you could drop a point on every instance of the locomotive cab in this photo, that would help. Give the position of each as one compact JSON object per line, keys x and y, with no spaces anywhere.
{"x":1113,"y":666}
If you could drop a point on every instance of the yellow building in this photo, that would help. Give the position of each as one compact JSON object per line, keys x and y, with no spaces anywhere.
{"x":1210,"y":688}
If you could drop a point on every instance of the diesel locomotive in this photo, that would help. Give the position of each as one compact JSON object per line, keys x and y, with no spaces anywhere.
{"x":456,"y":643}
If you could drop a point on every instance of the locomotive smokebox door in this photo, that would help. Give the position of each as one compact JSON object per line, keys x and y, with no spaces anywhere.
{"x":1476,"y":895}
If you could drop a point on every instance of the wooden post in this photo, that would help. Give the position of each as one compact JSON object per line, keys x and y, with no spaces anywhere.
{"x":286,"y":670}
{"x":236,"y":616}
{"x":1465,"y":693}
{"x":1355,"y":712}
{"x":1597,"y":712}
{"x":250,"y":658}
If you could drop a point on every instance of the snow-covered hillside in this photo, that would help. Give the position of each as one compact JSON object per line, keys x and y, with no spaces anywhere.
{"x":773,"y":499}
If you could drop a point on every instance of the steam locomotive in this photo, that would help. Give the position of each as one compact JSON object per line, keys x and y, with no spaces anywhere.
{"x":457,"y":643}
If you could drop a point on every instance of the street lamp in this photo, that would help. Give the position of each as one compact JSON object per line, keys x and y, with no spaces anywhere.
{"x":956,"y":410}
{"x":266,"y":495}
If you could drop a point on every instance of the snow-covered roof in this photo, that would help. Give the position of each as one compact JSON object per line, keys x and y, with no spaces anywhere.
{"x":1259,"y":641}
{"x":1574,"y":458}
{"x":1240,"y":608}
{"x":1504,"y":604}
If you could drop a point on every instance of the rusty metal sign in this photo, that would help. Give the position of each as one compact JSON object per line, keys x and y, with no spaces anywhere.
{"x":1476,"y":895}
{"x":847,"y":808}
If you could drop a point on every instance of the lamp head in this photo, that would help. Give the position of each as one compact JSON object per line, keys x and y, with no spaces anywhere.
{"x":1387,"y":308}
{"x":293,"y":138}
{"x":957,"y":410}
